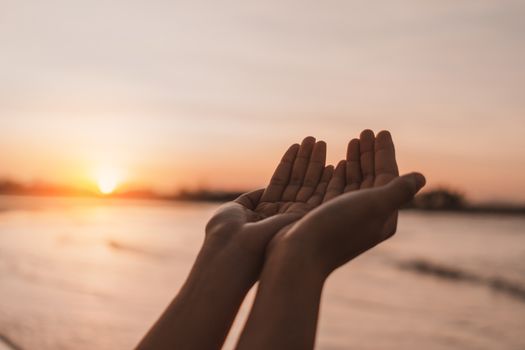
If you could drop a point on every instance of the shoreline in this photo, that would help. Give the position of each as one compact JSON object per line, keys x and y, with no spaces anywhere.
{"x":221,"y":197}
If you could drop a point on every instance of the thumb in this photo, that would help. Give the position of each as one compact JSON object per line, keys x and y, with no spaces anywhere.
{"x":401,"y":190}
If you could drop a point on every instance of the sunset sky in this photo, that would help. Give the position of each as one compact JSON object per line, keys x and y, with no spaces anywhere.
{"x":175,"y":94}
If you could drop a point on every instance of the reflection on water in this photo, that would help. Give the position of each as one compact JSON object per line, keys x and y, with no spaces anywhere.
{"x":95,"y":274}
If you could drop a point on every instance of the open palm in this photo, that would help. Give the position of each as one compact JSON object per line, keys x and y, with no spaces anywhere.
{"x":297,"y":186}
{"x":299,"y":182}
{"x":370,"y":162}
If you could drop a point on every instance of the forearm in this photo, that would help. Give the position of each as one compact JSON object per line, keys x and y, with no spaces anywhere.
{"x":285,"y":311}
{"x":201,"y":314}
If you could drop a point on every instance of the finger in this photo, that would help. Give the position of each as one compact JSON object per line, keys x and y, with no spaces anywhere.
{"x":353,"y":166}
{"x":366,"y":149}
{"x":251,"y":199}
{"x":385,"y":166}
{"x":281,"y":176}
{"x":317,"y":197}
{"x":337,"y":182}
{"x":401,"y":190}
{"x":313,"y":172}
{"x":300,"y":166}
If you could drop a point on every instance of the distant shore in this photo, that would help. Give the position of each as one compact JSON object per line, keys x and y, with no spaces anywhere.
{"x":438,"y":200}
{"x":477,"y":209}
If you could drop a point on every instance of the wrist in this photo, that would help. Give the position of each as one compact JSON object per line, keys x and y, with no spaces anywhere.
{"x":224,"y":264}
{"x":294,"y":258}
{"x":285,"y":311}
{"x":209,"y":299}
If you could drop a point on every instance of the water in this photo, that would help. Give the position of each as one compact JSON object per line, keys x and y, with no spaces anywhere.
{"x":95,"y":274}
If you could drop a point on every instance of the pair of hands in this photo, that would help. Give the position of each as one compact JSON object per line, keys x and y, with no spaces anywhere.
{"x":311,"y":218}
{"x":315,"y":212}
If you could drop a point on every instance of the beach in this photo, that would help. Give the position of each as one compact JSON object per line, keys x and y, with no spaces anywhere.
{"x":96,"y":273}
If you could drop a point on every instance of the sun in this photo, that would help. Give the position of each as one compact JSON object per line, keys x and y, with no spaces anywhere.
{"x":107,"y":180}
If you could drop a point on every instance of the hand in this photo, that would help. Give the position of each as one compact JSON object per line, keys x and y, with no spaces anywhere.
{"x":244,"y":227}
{"x":359,"y":209}
{"x":233,"y":251}
{"x":370,"y":162}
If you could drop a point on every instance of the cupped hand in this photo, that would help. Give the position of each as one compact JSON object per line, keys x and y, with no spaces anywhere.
{"x":359,"y":208}
{"x":370,"y":162}
{"x":245,"y":226}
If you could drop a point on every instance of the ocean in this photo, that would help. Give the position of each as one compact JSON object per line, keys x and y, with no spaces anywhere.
{"x":96,"y":273}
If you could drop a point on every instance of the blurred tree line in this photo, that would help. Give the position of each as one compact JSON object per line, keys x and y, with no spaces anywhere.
{"x":440,"y":199}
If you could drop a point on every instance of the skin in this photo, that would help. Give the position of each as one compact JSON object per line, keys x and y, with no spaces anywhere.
{"x":307,"y":222}
{"x":233,"y":252}
{"x":359,"y":211}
